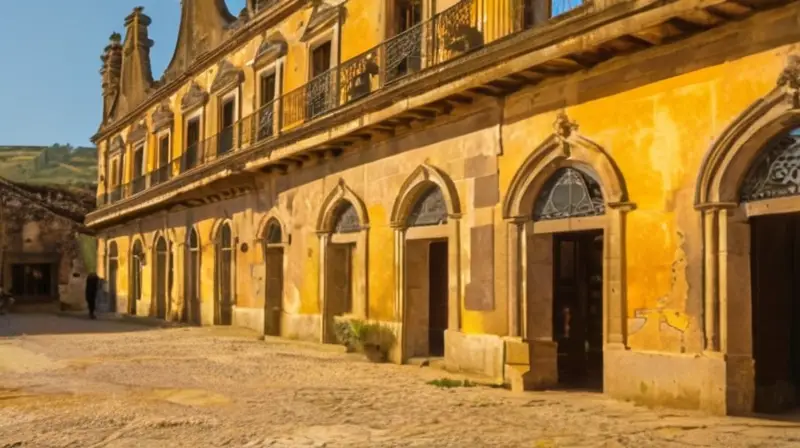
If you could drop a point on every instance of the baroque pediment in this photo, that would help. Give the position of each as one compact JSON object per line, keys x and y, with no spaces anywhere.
{"x":323,"y":15}
{"x":194,"y":98}
{"x":228,"y":75}
{"x":163,"y":116}
{"x":117,"y":145}
{"x":138,"y":132}
{"x":272,"y":48}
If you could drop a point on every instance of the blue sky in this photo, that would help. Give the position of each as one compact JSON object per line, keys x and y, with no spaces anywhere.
{"x":50,"y":85}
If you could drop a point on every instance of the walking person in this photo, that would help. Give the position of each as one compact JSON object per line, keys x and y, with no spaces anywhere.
{"x":91,"y":292}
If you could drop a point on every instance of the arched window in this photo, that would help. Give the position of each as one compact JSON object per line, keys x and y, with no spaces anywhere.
{"x":273,"y":233}
{"x":430,"y":208}
{"x":569,"y":193}
{"x":776,"y":171}
{"x":224,"y":277}
{"x":137,"y":261}
{"x":345,"y":218}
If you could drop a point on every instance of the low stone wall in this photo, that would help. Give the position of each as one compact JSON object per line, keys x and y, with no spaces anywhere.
{"x":475,"y":353}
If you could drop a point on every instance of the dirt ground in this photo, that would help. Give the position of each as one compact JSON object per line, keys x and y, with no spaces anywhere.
{"x":67,"y":382}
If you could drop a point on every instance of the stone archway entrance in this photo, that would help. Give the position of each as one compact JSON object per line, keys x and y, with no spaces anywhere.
{"x":273,"y":293}
{"x":113,"y":274}
{"x":775,"y":272}
{"x":135,"y":290}
{"x":565,"y":213}
{"x":342,"y":227}
{"x":427,"y":291}
{"x":564,"y":299}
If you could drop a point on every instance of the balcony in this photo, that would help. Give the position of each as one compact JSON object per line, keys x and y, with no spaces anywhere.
{"x":468,"y":27}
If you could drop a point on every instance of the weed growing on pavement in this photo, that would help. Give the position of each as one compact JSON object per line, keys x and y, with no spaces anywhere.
{"x":449,"y":383}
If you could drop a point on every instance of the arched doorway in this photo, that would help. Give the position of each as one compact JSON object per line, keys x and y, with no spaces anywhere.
{"x":223,"y":298}
{"x":775,"y":272}
{"x":113,"y":268}
{"x":161,"y":275}
{"x":342,"y":227}
{"x":567,"y":272}
{"x":137,"y":263}
{"x":426,"y":221}
{"x":747,"y":192}
{"x":273,"y":293}
{"x":191,"y":301}
{"x":565,"y":214}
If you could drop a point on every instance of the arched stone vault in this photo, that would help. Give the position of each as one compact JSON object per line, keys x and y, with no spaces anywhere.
{"x":566,"y":148}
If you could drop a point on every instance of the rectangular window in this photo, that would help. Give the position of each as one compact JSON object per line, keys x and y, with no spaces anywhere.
{"x":114,"y":179}
{"x":407,"y":14}
{"x":226,"y":120}
{"x":321,"y":59}
{"x":163,"y":171}
{"x":32,"y":280}
{"x":191,"y":156}
{"x":268,"y":88}
{"x":137,"y":179}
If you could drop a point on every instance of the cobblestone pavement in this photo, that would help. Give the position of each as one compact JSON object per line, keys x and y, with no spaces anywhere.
{"x":67,"y":382}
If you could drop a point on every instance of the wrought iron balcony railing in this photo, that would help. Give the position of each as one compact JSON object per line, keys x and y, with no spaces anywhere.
{"x":464,"y":27}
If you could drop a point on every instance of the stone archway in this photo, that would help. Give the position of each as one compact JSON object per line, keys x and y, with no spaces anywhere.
{"x":732,"y":195}
{"x":540,"y":211}
{"x":426,"y":218}
{"x":343,"y":227}
{"x":224,"y":274}
{"x":274,"y":241}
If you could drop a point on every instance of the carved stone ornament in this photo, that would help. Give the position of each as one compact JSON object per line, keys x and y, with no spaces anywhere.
{"x":271,"y":49}
{"x":195,"y":97}
{"x":163,"y":116}
{"x":117,"y":145}
{"x":790,"y":79}
{"x":324,"y":14}
{"x":138,"y":132}
{"x":563,"y":128}
{"x":227,"y":76}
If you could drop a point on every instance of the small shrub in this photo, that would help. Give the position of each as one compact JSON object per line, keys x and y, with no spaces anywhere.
{"x":449,"y":383}
{"x":373,"y":339}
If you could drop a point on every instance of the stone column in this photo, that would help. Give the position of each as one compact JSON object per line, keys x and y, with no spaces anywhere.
{"x":614,"y":267}
{"x":711,"y":280}
{"x":515,"y":233}
{"x":454,"y":273}
{"x":323,"y":284}
{"x":400,"y":292}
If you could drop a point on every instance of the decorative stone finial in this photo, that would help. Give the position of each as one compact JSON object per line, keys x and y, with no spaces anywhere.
{"x":563,"y":128}
{"x":790,"y":79}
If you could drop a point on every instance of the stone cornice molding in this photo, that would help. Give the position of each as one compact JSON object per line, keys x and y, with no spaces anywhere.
{"x":138,"y":132}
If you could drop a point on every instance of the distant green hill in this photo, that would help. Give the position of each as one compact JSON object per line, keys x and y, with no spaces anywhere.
{"x":57,"y":164}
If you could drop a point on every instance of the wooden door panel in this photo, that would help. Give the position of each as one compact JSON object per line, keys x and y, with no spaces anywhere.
{"x":274,"y":292}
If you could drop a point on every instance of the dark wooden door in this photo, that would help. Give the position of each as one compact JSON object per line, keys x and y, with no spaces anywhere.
{"x":274,"y":292}
{"x":339,"y":285}
{"x":578,"y":307}
{"x":160,"y":279}
{"x":774,"y":276}
{"x":226,"y":132}
{"x":191,"y":299}
{"x":438,"y":297}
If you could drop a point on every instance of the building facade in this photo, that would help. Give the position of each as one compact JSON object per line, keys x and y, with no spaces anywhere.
{"x":545,"y":192}
{"x":45,"y":250}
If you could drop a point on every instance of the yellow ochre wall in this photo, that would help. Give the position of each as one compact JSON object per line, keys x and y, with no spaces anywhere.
{"x":656,"y":131}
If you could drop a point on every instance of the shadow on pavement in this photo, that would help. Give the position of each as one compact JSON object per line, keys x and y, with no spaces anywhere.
{"x":12,"y":325}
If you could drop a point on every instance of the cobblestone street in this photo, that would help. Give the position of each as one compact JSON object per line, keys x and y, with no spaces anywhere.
{"x":79,"y":383}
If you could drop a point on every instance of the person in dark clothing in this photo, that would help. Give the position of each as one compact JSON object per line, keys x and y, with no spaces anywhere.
{"x":91,"y":292}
